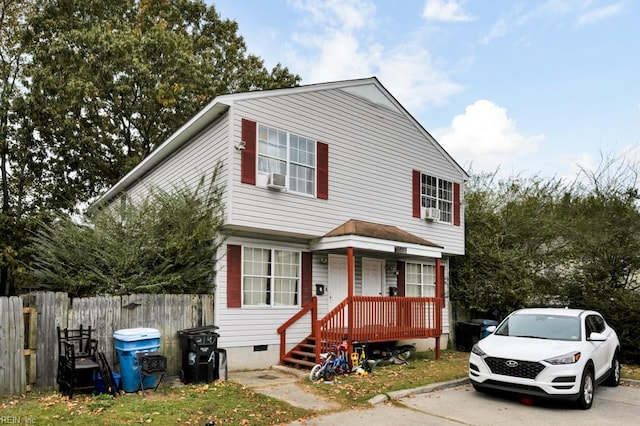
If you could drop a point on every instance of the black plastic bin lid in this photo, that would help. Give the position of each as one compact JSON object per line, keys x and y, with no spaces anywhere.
{"x":207,"y":329}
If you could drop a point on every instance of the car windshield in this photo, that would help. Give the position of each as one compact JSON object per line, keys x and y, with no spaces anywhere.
{"x":541,"y":326}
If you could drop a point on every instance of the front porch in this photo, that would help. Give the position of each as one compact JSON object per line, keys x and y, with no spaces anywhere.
{"x":360,"y":319}
{"x":369,"y":318}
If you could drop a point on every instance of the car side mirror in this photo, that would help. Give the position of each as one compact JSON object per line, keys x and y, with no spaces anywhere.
{"x":491,"y":329}
{"x":597,"y":337}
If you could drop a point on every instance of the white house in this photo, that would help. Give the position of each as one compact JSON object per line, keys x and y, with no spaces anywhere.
{"x":341,"y":210}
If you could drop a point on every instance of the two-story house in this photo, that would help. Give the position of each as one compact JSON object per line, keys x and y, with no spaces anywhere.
{"x":341,"y":213}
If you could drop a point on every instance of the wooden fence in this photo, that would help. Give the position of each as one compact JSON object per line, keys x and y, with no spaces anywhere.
{"x":28,"y":336}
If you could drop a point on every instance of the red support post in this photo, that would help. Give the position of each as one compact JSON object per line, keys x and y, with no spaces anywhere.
{"x":351,"y":286}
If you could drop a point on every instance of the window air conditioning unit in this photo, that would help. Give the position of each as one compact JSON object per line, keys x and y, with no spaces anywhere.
{"x":276,"y":181}
{"x":431,"y":213}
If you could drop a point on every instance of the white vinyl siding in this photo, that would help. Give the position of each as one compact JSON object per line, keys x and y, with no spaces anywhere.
{"x":372,"y":152}
{"x":255,"y":325}
{"x":191,"y":163}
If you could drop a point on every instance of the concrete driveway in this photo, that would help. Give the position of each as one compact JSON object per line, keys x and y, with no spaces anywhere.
{"x":462,"y":405}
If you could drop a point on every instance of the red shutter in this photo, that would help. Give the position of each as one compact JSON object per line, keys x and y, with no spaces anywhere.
{"x":307,"y":278}
{"x":248,"y":156}
{"x":234,"y":276}
{"x":456,"y":204}
{"x":322,"y":168}
{"x":415,"y":193}
{"x":444,"y":299}
{"x":401,"y":279}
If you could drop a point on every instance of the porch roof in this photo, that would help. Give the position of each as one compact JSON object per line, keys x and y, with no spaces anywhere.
{"x":378,"y":237}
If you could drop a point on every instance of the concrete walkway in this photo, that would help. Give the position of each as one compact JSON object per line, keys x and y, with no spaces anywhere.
{"x":282,"y":383}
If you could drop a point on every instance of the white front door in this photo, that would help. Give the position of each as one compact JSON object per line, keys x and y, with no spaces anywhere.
{"x":338,"y":279}
{"x":372,"y":277}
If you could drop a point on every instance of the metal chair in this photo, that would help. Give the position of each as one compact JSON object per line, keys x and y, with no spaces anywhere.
{"x":84,"y":346}
{"x":77,"y":372}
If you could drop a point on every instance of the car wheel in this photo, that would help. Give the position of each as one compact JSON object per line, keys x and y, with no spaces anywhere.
{"x":614,"y":375}
{"x":587,"y":388}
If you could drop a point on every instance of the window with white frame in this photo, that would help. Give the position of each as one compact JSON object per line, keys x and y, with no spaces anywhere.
{"x":288,"y":154}
{"x":438,"y":193}
{"x":420,"y":280}
{"x":270,"y":277}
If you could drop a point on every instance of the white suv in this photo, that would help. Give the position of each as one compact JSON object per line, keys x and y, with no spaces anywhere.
{"x":548,"y":352}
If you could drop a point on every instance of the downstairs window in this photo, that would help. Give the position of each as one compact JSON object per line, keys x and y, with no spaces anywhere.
{"x":270,"y":277}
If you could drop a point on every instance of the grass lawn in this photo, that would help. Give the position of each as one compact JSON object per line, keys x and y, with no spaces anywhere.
{"x":228,"y":403}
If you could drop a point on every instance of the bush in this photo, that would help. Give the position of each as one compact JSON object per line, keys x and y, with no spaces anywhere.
{"x":165,"y":243}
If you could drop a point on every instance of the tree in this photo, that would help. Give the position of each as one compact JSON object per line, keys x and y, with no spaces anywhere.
{"x":511,"y":251}
{"x":533,"y":242}
{"x":89,"y":88}
{"x":112,"y":80}
{"x":13,"y":57}
{"x":166,"y":243}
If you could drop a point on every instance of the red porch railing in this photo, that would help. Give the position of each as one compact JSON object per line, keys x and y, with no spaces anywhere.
{"x":282,"y":330}
{"x":375,"y":319}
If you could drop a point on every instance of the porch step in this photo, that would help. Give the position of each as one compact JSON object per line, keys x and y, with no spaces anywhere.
{"x":302,"y":355}
{"x":299,"y":362}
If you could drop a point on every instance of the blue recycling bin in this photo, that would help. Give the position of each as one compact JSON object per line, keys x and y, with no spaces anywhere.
{"x":128,"y":342}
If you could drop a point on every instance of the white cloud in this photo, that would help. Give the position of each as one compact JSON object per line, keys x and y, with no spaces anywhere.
{"x":556,"y":9}
{"x":485,"y":137}
{"x":410,"y":75}
{"x":338,"y":56}
{"x":582,"y":161}
{"x":347,"y":14}
{"x":445,"y":10}
{"x":339,"y":48}
{"x":599,"y":14}
{"x":499,"y":29}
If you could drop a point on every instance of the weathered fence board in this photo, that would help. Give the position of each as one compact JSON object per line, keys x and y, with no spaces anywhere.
{"x":53,"y":309}
{"x":105,"y":314}
{"x":12,"y":362}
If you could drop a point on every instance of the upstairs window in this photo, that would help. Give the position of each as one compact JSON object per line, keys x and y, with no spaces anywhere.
{"x":270,"y":277}
{"x":288,"y":154}
{"x":438,"y":193}
{"x":420,"y":280}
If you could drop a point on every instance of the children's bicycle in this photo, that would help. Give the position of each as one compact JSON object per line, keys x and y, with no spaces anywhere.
{"x":333,"y":363}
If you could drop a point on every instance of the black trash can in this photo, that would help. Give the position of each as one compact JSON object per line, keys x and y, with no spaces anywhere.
{"x":199,"y":348}
{"x":467,"y":335}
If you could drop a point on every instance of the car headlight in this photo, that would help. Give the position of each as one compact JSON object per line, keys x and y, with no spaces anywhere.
{"x":570,"y":358}
{"x":476,"y":350}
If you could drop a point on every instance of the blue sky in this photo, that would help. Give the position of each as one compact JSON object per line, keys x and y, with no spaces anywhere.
{"x":529,"y":87}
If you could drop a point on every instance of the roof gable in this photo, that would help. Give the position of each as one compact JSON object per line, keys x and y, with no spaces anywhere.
{"x":370,"y":89}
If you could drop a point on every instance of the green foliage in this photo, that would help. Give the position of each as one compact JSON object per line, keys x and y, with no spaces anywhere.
{"x":540,"y":242}
{"x":166,"y":243}
{"x":88,"y":88}
{"x":509,"y":232}
{"x":111,"y":80}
